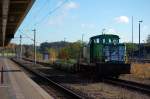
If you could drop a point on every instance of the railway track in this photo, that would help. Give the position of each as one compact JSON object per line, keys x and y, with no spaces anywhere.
{"x":145,"y":89}
{"x":137,"y":87}
{"x":51,"y":85}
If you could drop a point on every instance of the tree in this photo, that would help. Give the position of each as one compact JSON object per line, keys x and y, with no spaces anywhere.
{"x":75,"y":49}
{"x":28,"y":51}
{"x":63,"y":53}
{"x":71,"y":51}
{"x":64,"y":50}
{"x":56,"y":45}
{"x":52,"y":54}
{"x":38,"y":55}
{"x":130,"y":48}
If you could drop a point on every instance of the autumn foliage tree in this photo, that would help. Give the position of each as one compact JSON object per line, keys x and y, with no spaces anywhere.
{"x":72,"y":51}
{"x":52,"y":54}
{"x":63,"y":53}
{"x":62,"y":50}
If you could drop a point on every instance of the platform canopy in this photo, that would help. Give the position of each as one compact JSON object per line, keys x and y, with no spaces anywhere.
{"x":12,"y":13}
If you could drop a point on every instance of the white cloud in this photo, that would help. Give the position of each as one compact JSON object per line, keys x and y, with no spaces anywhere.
{"x":122,"y":19}
{"x":58,"y":20}
{"x":71,"y":5}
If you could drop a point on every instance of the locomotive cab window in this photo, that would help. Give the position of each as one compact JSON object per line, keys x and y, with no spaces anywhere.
{"x":115,"y":41}
{"x":97,"y":40}
{"x":110,"y":41}
{"x":103,"y":40}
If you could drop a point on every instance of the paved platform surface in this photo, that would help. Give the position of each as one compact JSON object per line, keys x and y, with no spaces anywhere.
{"x":17,"y":85}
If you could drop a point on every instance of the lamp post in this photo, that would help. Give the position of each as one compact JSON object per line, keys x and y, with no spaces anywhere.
{"x":132,"y":40}
{"x":82,"y":46}
{"x":140,"y":37}
{"x":20,"y":46}
{"x":34,"y":30}
{"x":144,"y":49}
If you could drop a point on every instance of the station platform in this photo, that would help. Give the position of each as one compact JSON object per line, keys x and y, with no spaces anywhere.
{"x":17,"y":85}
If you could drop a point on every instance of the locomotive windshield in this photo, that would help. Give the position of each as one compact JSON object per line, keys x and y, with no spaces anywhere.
{"x":105,"y":39}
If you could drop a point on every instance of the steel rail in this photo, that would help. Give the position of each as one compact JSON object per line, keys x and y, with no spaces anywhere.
{"x":143,"y":88}
{"x":61,"y":88}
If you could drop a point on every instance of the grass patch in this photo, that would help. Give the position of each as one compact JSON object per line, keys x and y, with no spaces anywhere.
{"x":141,"y":70}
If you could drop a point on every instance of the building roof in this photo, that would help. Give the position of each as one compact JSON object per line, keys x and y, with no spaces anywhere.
{"x":105,"y":36}
{"x":12,"y":13}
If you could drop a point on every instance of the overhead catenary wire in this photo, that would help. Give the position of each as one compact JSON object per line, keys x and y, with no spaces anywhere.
{"x":26,"y":36}
{"x":40,"y":9}
{"x":51,"y":12}
{"x":42,"y":19}
{"x":38,"y":12}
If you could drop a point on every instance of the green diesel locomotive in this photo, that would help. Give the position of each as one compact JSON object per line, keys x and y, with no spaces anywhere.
{"x":106,"y":48}
{"x":108,"y":55}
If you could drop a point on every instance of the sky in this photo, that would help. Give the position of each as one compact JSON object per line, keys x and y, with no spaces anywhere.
{"x":58,"y":20}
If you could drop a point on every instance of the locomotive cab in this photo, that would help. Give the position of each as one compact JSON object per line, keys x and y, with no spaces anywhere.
{"x":106,"y":49}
